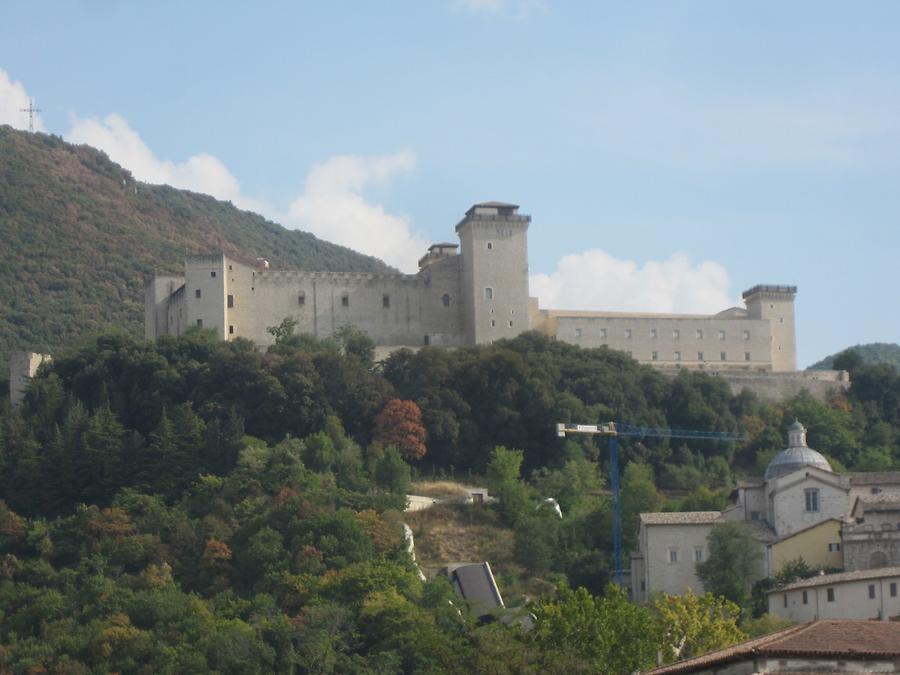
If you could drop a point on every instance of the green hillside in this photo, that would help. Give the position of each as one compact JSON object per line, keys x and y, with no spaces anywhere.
{"x":81,"y":236}
{"x":875,"y":352}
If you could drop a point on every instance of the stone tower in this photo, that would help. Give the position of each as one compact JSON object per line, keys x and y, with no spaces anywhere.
{"x":494,"y":284}
{"x":776,"y":304}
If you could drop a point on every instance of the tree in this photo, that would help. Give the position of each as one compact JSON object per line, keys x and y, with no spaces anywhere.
{"x":730,"y":567}
{"x":391,"y":472}
{"x":693,"y":625}
{"x":282,"y":331}
{"x":400,"y":424}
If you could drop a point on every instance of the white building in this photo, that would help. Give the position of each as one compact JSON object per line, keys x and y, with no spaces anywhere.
{"x":864,"y":594}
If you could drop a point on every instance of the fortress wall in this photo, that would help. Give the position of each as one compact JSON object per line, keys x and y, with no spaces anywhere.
{"x":781,"y":386}
{"x":736,"y":337}
{"x":157,"y":296}
{"x":22,"y":367}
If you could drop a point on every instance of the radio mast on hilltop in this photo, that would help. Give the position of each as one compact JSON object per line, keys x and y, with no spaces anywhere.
{"x":30,"y":110}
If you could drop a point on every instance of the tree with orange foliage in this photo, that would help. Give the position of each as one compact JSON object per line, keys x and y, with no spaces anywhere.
{"x":400,"y":424}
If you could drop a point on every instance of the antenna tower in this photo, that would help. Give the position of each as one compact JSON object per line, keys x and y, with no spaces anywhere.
{"x":31,"y":110}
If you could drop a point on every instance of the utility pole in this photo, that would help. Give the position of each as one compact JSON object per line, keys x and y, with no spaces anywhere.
{"x":31,"y":110}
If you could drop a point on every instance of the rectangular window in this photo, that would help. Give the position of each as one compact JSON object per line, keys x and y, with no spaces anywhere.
{"x":754,"y":515}
{"x":345,"y":300}
{"x":603,"y":333}
{"x":830,"y":594}
{"x":627,"y":333}
{"x":836,"y":546}
{"x":676,"y":334}
{"x":653,"y":333}
{"x":678,"y":356}
{"x":871,"y":591}
{"x":493,"y":323}
{"x":490,"y":245}
{"x":510,"y":324}
{"x":213,"y":274}
{"x":230,"y":301}
{"x":197,"y":293}
{"x":200,"y":323}
{"x":673,"y":555}
{"x":723,"y":356}
{"x":721,"y":334}
{"x":805,"y":598}
{"x":301,"y":299}
{"x":698,"y":555}
{"x":746,"y":356}
{"x":893,"y":589}
{"x":784,"y":599}
{"x":577,"y":332}
{"x":699,"y":356}
{"x":699,"y":334}
{"x":812,"y":500}
{"x":386,"y":301}
{"x":427,"y":340}
{"x":746,"y":334}
{"x":231,"y":330}
{"x":488,"y":293}
{"x":654,"y":356}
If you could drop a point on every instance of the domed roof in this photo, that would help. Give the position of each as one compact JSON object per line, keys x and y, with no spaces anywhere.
{"x":796,"y":455}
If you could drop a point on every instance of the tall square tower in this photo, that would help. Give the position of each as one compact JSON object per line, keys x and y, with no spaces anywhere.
{"x":776,"y":303}
{"x":494,"y":251}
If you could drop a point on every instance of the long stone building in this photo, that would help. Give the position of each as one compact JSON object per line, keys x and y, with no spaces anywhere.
{"x":467,"y":294}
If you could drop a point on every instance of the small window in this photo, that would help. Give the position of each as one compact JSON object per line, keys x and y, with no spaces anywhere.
{"x":699,"y":356}
{"x":643,"y":585}
{"x":829,"y":594}
{"x":230,"y":268}
{"x":230,"y":301}
{"x":493,"y":323}
{"x":386,"y":301}
{"x":676,"y":334}
{"x":445,"y":300}
{"x":490,"y":245}
{"x":427,"y":340}
{"x":654,"y":356}
{"x":746,"y":356}
{"x":627,"y":333}
{"x":754,"y":515}
{"x":721,"y":334}
{"x":746,"y":334}
{"x":231,"y":330}
{"x":805,"y":598}
{"x":812,"y":500}
{"x":699,"y":334}
{"x":488,"y":293}
{"x":213,"y":274}
{"x":577,"y":332}
{"x":301,"y":299}
{"x":673,"y":555}
{"x":893,"y":589}
{"x":698,"y":555}
{"x":654,"y":333}
{"x":678,"y":356}
{"x":510,"y":324}
{"x":723,"y":356}
{"x":834,"y":546}
{"x":603,"y":333}
{"x":200,"y":323}
{"x":345,"y":300}
{"x":876,"y":490}
{"x":197,"y":293}
{"x":784,"y":599}
{"x":871,"y":591}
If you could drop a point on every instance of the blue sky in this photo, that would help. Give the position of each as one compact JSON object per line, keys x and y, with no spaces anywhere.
{"x":671,"y":154}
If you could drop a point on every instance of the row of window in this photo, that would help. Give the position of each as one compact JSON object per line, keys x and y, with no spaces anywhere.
{"x":654,"y":333}
{"x":673,"y":555}
{"x":701,"y":356}
{"x":829,"y":593}
{"x":345,"y":300}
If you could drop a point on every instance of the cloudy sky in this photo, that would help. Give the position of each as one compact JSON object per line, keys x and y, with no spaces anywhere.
{"x":672,"y":154}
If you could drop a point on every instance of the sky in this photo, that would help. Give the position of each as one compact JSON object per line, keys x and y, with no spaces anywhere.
{"x":671,"y":154}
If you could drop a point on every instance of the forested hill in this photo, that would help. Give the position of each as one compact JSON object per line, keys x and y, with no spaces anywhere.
{"x":80,"y":237}
{"x":868,"y":354}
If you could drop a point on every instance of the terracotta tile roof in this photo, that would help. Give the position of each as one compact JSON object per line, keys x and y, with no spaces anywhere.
{"x":829,"y":579}
{"x":875,"y":478}
{"x":879,"y":502}
{"x":681,"y":518}
{"x":828,"y":639}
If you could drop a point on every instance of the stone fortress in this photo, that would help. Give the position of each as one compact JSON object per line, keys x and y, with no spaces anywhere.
{"x":467,"y":294}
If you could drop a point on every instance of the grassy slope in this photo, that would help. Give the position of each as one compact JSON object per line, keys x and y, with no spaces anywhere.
{"x":80,"y":237}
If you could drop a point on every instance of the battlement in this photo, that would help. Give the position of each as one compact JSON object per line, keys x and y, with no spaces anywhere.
{"x":770,"y":289}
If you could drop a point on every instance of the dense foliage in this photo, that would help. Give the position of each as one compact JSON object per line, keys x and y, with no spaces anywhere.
{"x":869,"y":354}
{"x":81,"y":237}
{"x":196,"y":505}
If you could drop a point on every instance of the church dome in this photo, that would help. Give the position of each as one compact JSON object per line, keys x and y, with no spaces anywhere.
{"x":796,"y":455}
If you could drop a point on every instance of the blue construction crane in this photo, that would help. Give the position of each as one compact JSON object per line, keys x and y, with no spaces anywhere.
{"x":613,"y":430}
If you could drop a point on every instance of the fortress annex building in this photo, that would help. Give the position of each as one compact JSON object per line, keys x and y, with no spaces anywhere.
{"x":466,"y":294}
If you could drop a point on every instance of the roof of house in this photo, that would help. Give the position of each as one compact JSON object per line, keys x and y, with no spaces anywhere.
{"x":830,"y":579}
{"x":828,"y":639}
{"x":760,"y":530}
{"x":475,"y":583}
{"x":751,"y":482}
{"x":875,"y":478}
{"x":807,"y":529}
{"x":878,"y":503}
{"x":681,"y":518}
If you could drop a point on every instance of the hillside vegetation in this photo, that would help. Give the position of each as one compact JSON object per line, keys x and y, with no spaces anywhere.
{"x":874,"y":352}
{"x":81,"y":236}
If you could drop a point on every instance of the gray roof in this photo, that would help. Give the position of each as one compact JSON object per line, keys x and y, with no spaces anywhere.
{"x":791,"y":459}
{"x":879,"y":503}
{"x":475,"y":583}
{"x":499,"y":205}
{"x":681,"y":518}
{"x":875,"y":478}
{"x":829,"y":579}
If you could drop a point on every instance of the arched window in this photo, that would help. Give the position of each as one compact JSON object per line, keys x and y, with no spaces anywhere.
{"x":445,"y":300}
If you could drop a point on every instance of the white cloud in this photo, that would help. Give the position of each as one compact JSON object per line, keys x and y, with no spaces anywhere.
{"x":201,"y":173}
{"x":332,"y":207}
{"x":13,"y":99}
{"x":596,"y":280}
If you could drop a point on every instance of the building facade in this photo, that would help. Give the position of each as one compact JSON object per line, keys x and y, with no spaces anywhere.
{"x":869,"y":594}
{"x":469,"y":294}
{"x":22,"y":368}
